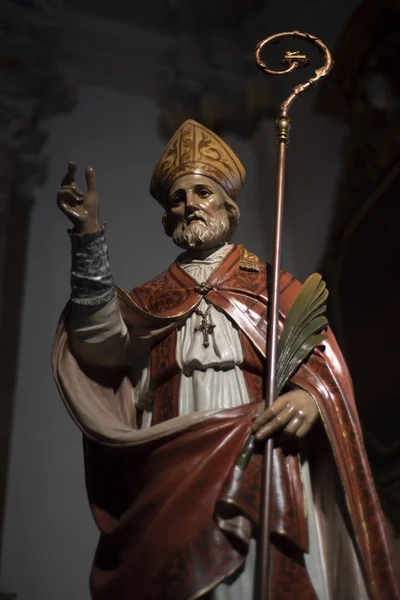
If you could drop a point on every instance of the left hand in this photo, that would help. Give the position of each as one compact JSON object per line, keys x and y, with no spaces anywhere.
{"x":295,"y":413}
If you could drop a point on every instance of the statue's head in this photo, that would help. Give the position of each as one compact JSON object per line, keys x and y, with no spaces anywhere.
{"x":199,"y":213}
{"x":196,"y":181}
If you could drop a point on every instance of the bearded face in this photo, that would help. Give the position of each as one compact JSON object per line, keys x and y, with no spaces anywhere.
{"x":196,"y":217}
{"x":200,"y":230}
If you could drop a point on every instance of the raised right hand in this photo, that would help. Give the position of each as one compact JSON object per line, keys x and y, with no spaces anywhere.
{"x":81,"y":209}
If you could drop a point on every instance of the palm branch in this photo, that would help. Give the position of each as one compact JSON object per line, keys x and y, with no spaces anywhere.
{"x":301,"y":334}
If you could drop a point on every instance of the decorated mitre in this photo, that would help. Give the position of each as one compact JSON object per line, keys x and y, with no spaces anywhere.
{"x":195,"y":149}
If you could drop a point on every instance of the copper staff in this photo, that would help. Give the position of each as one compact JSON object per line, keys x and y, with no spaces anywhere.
{"x":293,"y":61}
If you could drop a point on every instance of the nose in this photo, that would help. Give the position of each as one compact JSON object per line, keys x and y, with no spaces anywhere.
{"x":191,"y":201}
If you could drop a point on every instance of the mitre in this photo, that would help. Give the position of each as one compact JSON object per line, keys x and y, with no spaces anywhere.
{"x":195,"y":149}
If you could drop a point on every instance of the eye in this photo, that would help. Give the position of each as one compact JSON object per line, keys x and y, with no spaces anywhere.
{"x":204,"y":193}
{"x":176,"y":200}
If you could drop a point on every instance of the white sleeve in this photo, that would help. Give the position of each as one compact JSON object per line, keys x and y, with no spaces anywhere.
{"x":98,"y":336}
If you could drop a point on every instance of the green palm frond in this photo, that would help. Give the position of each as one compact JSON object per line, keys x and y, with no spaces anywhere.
{"x":302,"y":329}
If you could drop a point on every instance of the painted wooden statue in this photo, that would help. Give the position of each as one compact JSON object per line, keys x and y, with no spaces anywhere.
{"x":166,"y":383}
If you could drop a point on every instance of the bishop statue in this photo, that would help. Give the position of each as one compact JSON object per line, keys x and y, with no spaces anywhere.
{"x":166,"y":384}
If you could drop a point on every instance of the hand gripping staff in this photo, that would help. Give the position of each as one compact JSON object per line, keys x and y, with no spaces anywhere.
{"x":305,"y":320}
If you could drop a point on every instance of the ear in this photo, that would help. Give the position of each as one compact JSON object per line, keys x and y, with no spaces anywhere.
{"x":234,"y":216}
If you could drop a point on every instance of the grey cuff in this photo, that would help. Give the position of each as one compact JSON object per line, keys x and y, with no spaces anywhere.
{"x":92,"y":283}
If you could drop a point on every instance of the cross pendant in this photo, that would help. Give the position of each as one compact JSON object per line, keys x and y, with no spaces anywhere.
{"x":206,"y":326}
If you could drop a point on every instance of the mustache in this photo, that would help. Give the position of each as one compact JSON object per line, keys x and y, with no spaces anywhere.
{"x":197,"y":215}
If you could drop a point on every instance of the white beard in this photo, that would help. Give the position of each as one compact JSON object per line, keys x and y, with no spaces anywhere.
{"x":196,"y":233}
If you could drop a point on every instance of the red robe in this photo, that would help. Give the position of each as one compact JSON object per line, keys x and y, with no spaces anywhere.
{"x":175,"y":513}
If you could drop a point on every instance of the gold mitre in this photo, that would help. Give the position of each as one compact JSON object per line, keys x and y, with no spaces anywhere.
{"x":195,"y":149}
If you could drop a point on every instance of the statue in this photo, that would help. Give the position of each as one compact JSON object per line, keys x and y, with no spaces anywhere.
{"x":166,"y":384}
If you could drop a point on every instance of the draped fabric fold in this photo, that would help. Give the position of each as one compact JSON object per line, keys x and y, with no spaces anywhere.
{"x":161,"y":496}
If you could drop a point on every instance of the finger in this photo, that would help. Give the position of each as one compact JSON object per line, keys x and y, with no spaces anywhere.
{"x":303,"y":430}
{"x":70,"y":176}
{"x":263,"y":417}
{"x":258,"y":409}
{"x":73,"y":188}
{"x":68,"y":197}
{"x":90,"y":179}
{"x":276,"y":424}
{"x":270,"y":413}
{"x":294,"y":425}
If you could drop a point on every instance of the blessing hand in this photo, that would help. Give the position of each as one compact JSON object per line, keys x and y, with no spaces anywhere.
{"x":294,"y":413}
{"x":81,"y":209}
